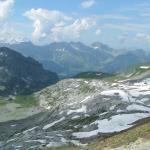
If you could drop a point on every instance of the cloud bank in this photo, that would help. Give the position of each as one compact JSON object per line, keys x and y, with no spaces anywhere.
{"x":5,"y":8}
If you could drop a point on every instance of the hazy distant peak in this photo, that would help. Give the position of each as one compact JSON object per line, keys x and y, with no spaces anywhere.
{"x":99,"y":45}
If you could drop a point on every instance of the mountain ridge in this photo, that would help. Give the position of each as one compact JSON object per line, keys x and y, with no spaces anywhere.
{"x":66,"y":58}
{"x":22,"y":75}
{"x":70,"y":58}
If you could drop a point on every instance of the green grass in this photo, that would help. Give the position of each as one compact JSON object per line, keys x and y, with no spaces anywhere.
{"x":26,"y":101}
{"x":2,"y":102}
{"x":138,"y":71}
{"x":134,"y":71}
{"x":114,"y":78}
{"x":92,"y":75}
{"x":2,"y":88}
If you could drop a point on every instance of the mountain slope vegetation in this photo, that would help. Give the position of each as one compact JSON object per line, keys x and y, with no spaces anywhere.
{"x":22,"y":75}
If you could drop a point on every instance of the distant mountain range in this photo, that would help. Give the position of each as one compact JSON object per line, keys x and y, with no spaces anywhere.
{"x":69,"y":59}
{"x":127,"y":60}
{"x":22,"y":75}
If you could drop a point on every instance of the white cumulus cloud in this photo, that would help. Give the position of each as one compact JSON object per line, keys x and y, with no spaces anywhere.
{"x":50,"y":26}
{"x":144,"y":37}
{"x":43,"y":20}
{"x":88,"y":3}
{"x":72,"y":31}
{"x":10,"y":34}
{"x":5,"y":8}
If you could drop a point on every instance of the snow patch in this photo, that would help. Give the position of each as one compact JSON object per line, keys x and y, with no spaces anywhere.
{"x":120,"y":93}
{"x":29,"y":130}
{"x":115,"y":124}
{"x":80,"y":110}
{"x":87,"y":98}
{"x":138,"y":107}
{"x":145,"y":67}
{"x":53,"y":123}
{"x":75,"y":117}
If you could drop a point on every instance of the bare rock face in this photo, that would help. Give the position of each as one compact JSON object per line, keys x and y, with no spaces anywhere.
{"x":22,"y":75}
{"x":79,"y":110}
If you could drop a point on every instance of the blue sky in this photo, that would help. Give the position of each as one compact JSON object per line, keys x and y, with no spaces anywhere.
{"x":118,"y":23}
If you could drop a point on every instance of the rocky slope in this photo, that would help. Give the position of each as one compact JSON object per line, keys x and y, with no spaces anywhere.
{"x":22,"y":75}
{"x":78,"y":111}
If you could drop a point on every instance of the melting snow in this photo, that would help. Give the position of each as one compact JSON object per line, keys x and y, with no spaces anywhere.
{"x":13,"y":125}
{"x":75,"y":117}
{"x":87,"y":98}
{"x":80,"y":110}
{"x":115,"y":124}
{"x":145,"y":67}
{"x":40,"y":141}
{"x":144,"y":100}
{"x":24,"y":132}
{"x":54,"y":144}
{"x":77,"y":143}
{"x":112,"y":107}
{"x":121,"y":93}
{"x":138,"y":107}
{"x":53,"y":123}
{"x":98,"y":74}
{"x":86,"y":82}
{"x":11,"y":140}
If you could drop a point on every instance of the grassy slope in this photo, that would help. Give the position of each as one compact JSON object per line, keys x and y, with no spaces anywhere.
{"x":26,"y":101}
{"x":23,"y":101}
{"x":2,"y":102}
{"x":124,"y":138}
{"x":132,"y":73}
{"x":92,"y":75}
{"x":19,"y":107}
